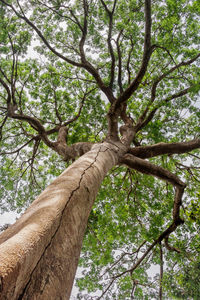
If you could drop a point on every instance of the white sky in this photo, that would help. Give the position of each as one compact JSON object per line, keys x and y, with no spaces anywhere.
{"x":8,"y":218}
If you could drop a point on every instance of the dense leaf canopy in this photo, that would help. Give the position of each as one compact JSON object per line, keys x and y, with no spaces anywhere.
{"x":83,"y":65}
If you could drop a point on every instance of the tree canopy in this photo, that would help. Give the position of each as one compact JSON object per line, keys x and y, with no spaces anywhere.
{"x":115,"y":71}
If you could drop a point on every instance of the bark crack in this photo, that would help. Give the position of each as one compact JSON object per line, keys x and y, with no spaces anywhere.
{"x":1,"y":283}
{"x":61,"y":217}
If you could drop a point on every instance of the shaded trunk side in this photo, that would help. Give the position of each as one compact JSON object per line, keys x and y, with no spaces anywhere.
{"x":39,"y":253}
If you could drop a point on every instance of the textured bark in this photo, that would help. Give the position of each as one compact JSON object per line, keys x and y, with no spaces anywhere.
{"x":39,"y":253}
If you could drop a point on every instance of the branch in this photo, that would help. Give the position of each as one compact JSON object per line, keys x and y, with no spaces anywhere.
{"x":16,"y":151}
{"x":141,"y":124}
{"x":7,"y":90}
{"x":161,"y":272}
{"x":84,"y":33}
{"x":167,"y":232}
{"x":53,"y":9}
{"x":128,"y":62}
{"x":164,"y":148}
{"x":163,"y":174}
{"x":110,"y":47}
{"x":155,"y":85}
{"x":4,"y":75}
{"x":120,"y":259}
{"x":69,"y":152}
{"x":35,"y":124}
{"x":170,"y":248}
{"x":76,"y":20}
{"x":1,"y":127}
{"x":127,"y":133}
{"x":56,"y":107}
{"x":14,"y":71}
{"x":84,"y":64}
{"x":148,"y":49}
{"x":104,"y":292}
{"x":34,"y":153}
{"x":80,"y":108}
{"x":148,"y":168}
{"x":36,"y":29}
{"x":119,"y":63}
{"x":112,"y":118}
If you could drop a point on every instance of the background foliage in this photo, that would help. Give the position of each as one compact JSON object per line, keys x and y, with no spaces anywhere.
{"x":131,"y":209}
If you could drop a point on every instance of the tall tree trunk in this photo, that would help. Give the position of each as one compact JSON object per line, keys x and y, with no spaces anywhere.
{"x":40,"y":252}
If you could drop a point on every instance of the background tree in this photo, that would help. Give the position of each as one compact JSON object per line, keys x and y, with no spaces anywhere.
{"x":116,"y":84}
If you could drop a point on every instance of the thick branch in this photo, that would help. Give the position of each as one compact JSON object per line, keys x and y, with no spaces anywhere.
{"x":148,"y":168}
{"x":165,"y":148}
{"x":112,"y":118}
{"x":69,"y":152}
{"x":127,"y":133}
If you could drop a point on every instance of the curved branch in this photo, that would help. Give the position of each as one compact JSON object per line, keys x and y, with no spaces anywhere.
{"x":69,"y":152}
{"x":20,"y":148}
{"x":160,"y":78}
{"x":142,"y":123}
{"x":4,"y":75}
{"x":148,"y":168}
{"x":170,"y":248}
{"x":1,"y":127}
{"x":80,"y":108}
{"x":35,"y":124}
{"x":7,"y":90}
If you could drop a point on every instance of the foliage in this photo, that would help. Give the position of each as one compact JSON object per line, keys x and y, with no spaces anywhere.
{"x":50,"y":82}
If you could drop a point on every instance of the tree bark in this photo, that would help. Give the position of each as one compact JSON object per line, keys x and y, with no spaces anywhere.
{"x":39,"y":254}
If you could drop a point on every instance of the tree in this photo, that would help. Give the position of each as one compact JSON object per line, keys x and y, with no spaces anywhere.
{"x":112,"y":96}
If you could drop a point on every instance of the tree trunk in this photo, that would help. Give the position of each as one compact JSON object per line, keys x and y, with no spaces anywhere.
{"x":40,"y":252}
